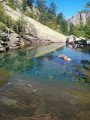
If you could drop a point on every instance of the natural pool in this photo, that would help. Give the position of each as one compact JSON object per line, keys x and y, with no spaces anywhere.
{"x":37,"y":85}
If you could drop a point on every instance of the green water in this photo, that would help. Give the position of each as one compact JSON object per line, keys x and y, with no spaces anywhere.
{"x":36,"y":82}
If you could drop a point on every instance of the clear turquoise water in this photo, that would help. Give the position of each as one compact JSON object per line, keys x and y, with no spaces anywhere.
{"x":61,"y":87}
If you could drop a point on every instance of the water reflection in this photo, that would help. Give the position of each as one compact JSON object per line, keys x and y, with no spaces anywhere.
{"x":84,"y":49}
{"x":43,"y":62}
{"x":39,"y":83}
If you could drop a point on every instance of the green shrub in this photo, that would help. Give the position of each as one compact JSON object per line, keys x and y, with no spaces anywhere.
{"x":11,"y":4}
{"x":1,"y":13}
{"x":19,"y":25}
{"x":87,"y":31}
{"x":3,"y":26}
{"x":52,"y":25}
{"x":8,"y":21}
{"x":30,"y":14}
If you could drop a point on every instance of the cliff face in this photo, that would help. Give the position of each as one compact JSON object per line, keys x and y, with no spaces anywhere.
{"x":80,"y":17}
{"x":37,"y":29}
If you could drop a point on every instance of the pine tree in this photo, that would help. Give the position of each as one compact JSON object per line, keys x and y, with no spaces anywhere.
{"x":60,"y":18}
{"x":87,"y":5}
{"x":41,"y":5}
{"x":62,"y":23}
{"x":24,"y":5}
{"x":30,"y":3}
{"x":70,"y":29}
{"x":52,"y":8}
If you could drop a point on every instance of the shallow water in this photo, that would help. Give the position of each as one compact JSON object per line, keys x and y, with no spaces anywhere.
{"x":36,"y":82}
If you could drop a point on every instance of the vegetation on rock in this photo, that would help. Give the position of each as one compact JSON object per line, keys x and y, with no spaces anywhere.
{"x":81,"y":30}
{"x":11,"y":4}
{"x":48,"y":16}
{"x":58,"y":22}
{"x":6,"y":20}
{"x":3,"y":27}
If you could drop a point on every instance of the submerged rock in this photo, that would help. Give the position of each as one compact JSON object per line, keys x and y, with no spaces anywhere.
{"x":39,"y":117}
{"x":64,"y":57}
{"x":68,"y":59}
{"x":8,"y":101}
{"x":34,"y":91}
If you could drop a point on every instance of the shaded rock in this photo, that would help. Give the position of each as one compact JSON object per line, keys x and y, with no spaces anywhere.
{"x":16,"y":41}
{"x":76,"y":42}
{"x":70,"y":39}
{"x":35,"y":41}
{"x":14,"y":48}
{"x":2,"y":49}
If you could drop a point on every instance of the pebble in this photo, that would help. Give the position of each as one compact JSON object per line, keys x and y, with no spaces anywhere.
{"x":35,"y":90}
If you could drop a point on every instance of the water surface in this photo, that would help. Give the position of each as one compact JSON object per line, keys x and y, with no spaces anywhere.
{"x":36,"y":82}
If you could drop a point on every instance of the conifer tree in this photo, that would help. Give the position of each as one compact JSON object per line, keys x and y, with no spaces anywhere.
{"x":87,"y":5}
{"x":41,"y":5}
{"x":30,"y":3}
{"x":52,"y":8}
{"x":24,"y":5}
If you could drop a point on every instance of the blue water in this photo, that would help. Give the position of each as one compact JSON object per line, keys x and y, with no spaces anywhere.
{"x":49,"y":67}
{"x":60,"y":86}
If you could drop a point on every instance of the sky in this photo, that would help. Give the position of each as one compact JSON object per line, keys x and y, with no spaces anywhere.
{"x":68,"y":7}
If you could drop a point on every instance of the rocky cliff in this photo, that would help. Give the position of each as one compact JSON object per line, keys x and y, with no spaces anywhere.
{"x":80,"y":17}
{"x":37,"y":29}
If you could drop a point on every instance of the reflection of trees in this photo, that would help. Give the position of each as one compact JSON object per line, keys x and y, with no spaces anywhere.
{"x":59,"y":50}
{"x":17,"y":61}
{"x":86,"y":50}
{"x":81,"y":71}
{"x":50,"y":56}
{"x":41,"y":58}
{"x":86,"y":64}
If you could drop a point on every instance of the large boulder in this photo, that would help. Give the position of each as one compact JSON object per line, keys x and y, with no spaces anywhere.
{"x":70,"y":39}
{"x":76,"y":41}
